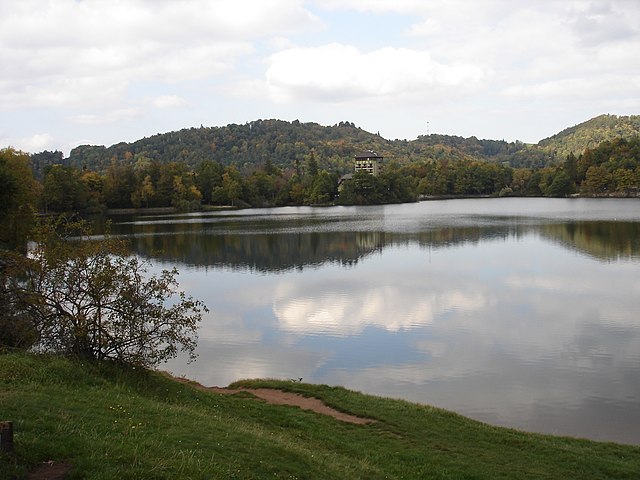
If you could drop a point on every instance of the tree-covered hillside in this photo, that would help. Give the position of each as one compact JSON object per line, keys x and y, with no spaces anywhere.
{"x":590,"y":134}
{"x":289,"y":145}
{"x":274,"y":163}
{"x":285,"y":145}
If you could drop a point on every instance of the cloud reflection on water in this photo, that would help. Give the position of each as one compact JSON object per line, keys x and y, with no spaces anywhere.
{"x":515,"y":323}
{"x":390,"y":307}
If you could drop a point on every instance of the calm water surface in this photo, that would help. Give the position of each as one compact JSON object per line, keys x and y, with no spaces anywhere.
{"x":516,"y":312}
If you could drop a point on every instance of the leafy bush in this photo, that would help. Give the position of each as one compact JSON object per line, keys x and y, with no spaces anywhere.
{"x":87,"y":297}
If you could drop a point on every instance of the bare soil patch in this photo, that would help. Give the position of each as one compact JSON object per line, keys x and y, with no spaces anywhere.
{"x":50,"y":471}
{"x":279,"y":397}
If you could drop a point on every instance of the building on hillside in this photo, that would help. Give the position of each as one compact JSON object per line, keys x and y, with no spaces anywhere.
{"x":369,"y":162}
{"x":342,"y":180}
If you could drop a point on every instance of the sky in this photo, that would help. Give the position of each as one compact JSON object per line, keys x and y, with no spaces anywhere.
{"x":98,"y":72}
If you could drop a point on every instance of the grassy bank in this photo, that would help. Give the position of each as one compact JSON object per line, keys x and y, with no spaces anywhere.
{"x":110,"y":422}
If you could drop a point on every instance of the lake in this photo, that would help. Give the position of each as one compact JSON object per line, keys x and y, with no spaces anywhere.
{"x":517,"y":312}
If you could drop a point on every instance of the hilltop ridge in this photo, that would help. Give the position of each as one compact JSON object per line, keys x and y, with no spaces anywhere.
{"x":284,"y":143}
{"x":590,"y":134}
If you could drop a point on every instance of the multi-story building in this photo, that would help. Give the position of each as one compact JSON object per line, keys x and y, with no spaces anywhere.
{"x":369,"y":162}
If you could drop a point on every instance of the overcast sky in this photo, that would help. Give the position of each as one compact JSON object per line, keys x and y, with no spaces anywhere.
{"x":102,"y":71}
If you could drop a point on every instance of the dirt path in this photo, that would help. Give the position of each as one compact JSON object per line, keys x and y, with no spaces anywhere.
{"x":278,"y":397}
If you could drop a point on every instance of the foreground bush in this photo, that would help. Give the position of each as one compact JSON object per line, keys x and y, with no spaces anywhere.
{"x":87,"y":297}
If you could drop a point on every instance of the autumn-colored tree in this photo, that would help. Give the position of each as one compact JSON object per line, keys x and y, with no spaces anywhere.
{"x":597,"y":180}
{"x":296,"y":191}
{"x":93,"y":185}
{"x":119,"y":184}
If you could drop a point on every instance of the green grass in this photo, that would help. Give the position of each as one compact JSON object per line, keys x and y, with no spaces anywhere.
{"x":110,"y":422}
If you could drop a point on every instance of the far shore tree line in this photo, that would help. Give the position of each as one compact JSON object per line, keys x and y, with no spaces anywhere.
{"x":136,"y":181}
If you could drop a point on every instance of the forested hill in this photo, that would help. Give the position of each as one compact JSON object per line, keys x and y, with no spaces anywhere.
{"x":590,"y":134}
{"x":283,"y":144}
{"x":289,"y":144}
{"x":252,"y":143}
{"x":275,"y":163}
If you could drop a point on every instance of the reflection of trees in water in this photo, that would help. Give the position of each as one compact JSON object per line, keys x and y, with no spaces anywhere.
{"x":273,"y":250}
{"x":260,"y":251}
{"x":598,"y":239}
{"x":601,"y":240}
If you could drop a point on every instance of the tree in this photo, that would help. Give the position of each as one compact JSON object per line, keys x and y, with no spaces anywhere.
{"x":186,"y":196}
{"x":323,"y":189}
{"x":19,"y":194}
{"x":144,"y":194}
{"x":165,"y":192}
{"x":296,"y":191}
{"x":147,"y":173}
{"x":16,"y":328}
{"x":597,"y":180}
{"x":545,"y":177}
{"x":230,"y":192}
{"x":89,"y":298}
{"x":626,"y":180}
{"x":434,"y":179}
{"x":119,"y":184}
{"x":263,"y":188}
{"x":571,"y":168}
{"x":18,"y":197}
{"x":363,"y":189}
{"x":232,"y":187}
{"x":521,"y":180}
{"x":312,"y":165}
{"x":93,"y":186}
{"x":398,"y":185}
{"x":208,"y":176}
{"x":560,"y":186}
{"x":63,"y":190}
{"x":40,"y":161}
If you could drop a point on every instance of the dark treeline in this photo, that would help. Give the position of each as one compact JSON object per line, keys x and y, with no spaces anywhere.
{"x":136,"y":181}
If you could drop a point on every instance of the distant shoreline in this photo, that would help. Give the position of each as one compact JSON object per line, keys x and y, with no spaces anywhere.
{"x":164,"y":210}
{"x":422,"y":198}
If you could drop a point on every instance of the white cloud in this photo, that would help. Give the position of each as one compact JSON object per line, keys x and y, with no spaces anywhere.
{"x":107,"y":117}
{"x":169,"y":101}
{"x":603,"y":22}
{"x":542,"y":48}
{"x":491,"y":68}
{"x":67,"y":53}
{"x":377,"y":6}
{"x":34,"y":143}
{"x":337,"y":72}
